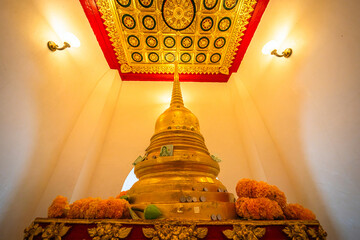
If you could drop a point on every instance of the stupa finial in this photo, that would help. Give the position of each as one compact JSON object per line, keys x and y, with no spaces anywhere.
{"x":176,"y":98}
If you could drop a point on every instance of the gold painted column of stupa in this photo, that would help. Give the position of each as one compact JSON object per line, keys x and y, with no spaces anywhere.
{"x":178,"y":174}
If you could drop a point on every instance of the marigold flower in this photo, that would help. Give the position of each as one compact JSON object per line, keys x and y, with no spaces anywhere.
{"x":258,"y":208}
{"x":298,"y":212}
{"x":254,"y":189}
{"x":123,"y":193}
{"x":58,"y":207}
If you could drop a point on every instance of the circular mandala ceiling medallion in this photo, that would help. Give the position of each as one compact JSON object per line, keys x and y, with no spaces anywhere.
{"x":128,"y":21}
{"x":203,"y":42}
{"x":207,"y":23}
{"x":178,"y":14}
{"x":124,"y":3}
{"x":137,"y":57}
{"x":219,"y":42}
{"x":215,"y":57}
{"x":145,"y":3}
{"x":210,"y":4}
{"x":169,"y":57}
{"x":153,"y":57}
{"x":200,"y":58}
{"x":151,"y":41}
{"x":230,"y":4}
{"x":224,"y":24}
{"x":169,"y":42}
{"x":149,"y":22}
{"x":133,"y":41}
{"x":185,"y":57}
{"x":186,"y":42}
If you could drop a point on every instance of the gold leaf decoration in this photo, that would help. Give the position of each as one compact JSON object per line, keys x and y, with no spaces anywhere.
{"x":175,"y":232}
{"x":31,"y":231}
{"x":104,"y":231}
{"x":319,"y":234}
{"x":112,"y":14}
{"x":296,"y":232}
{"x":245,"y":232}
{"x":55,"y":231}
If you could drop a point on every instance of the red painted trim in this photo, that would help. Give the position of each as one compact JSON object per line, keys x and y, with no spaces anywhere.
{"x":170,"y":77}
{"x":96,"y":22}
{"x":249,"y":33}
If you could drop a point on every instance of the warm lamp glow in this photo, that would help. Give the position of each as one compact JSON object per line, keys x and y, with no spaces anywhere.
{"x":268,"y":47}
{"x":71,"y":39}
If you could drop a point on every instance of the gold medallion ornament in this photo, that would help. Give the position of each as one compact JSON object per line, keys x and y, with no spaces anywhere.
{"x":32,"y":231}
{"x":153,"y":57}
{"x":149,"y":22}
{"x":178,"y":14}
{"x":169,"y":42}
{"x":224,"y":24}
{"x":245,"y":232}
{"x":151,"y":41}
{"x":124,"y":3}
{"x":109,"y":231}
{"x":55,"y":231}
{"x":210,"y":4}
{"x":133,"y":41}
{"x":215,"y":57}
{"x":170,"y":57}
{"x":171,"y":27}
{"x":206,"y":24}
{"x":128,"y":21}
{"x":137,"y":57}
{"x":172,"y":232}
{"x":219,"y":42}
{"x":203,"y":42}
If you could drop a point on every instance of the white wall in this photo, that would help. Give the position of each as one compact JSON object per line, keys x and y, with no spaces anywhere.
{"x":41,"y":97}
{"x":305,"y":111}
{"x":292,"y":122}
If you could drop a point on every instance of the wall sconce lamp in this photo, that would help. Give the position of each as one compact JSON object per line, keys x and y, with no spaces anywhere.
{"x":70,"y":41}
{"x":53,"y":46}
{"x":270,"y":49}
{"x":286,"y":53}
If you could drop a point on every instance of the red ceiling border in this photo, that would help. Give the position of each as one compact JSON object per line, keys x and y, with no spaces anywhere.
{"x":96,"y":23}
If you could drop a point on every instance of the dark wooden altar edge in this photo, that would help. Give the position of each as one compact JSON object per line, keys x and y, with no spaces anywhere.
{"x":96,"y":23}
{"x":79,"y":227}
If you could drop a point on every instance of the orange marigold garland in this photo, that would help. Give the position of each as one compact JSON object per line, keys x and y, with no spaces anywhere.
{"x":123,"y":193}
{"x":298,"y":212}
{"x":254,"y":189}
{"x":58,"y":208}
{"x":258,"y":208}
{"x":90,"y":208}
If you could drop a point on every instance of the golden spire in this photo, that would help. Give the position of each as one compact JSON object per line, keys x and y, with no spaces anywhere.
{"x":176,"y":98}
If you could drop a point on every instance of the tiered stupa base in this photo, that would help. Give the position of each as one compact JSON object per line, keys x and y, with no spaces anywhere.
{"x":78,"y":229}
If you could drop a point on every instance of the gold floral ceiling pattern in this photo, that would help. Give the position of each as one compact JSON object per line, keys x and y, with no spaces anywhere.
{"x":148,"y":36}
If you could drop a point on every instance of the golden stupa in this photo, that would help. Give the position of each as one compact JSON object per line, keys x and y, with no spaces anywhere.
{"x":178,"y":174}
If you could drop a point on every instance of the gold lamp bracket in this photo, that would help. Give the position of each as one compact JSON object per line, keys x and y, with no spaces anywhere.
{"x":53,"y":46}
{"x":286,"y":53}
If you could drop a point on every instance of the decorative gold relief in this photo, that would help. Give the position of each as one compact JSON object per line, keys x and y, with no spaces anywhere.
{"x":296,"y":232}
{"x":319,"y":234}
{"x":175,"y":232}
{"x":170,"y":22}
{"x":111,"y":231}
{"x":245,"y":232}
{"x":55,"y":231}
{"x":178,"y":14}
{"x":31,"y":231}
{"x":125,"y":68}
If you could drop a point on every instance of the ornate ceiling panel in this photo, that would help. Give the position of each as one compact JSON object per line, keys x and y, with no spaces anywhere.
{"x":143,"y":38}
